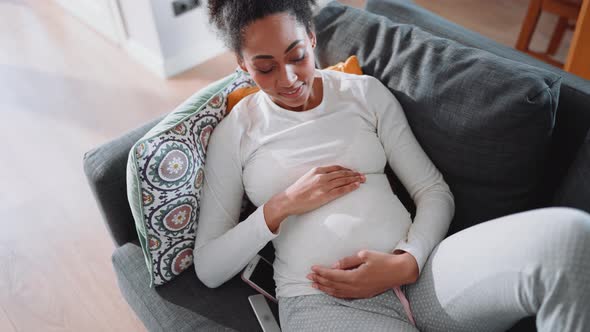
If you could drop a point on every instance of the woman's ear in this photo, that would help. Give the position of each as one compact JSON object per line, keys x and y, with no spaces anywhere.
{"x":240,"y":61}
{"x":312,"y":39}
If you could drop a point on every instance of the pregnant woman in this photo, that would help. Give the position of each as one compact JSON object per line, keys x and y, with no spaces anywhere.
{"x":309,"y":149}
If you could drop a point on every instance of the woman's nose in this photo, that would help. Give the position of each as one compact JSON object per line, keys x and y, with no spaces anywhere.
{"x":287,"y":77}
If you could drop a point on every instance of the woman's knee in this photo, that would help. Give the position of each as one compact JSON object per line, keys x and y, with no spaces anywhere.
{"x":572,"y":231}
{"x":540,"y":234}
{"x":573,"y":220}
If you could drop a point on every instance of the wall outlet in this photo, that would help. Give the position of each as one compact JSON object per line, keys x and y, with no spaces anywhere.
{"x":182,"y":6}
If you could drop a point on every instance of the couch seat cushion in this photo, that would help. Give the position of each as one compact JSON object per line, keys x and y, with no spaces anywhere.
{"x":184,"y":304}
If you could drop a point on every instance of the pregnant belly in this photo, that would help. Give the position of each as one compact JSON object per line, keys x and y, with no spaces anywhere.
{"x":370,"y":217}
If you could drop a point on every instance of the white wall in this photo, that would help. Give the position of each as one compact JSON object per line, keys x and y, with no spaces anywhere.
{"x":187,"y":39}
{"x":98,"y":14}
{"x":150,"y":33}
{"x":139,"y":24}
{"x":142,"y":41}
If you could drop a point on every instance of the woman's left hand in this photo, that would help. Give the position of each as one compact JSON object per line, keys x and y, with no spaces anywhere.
{"x":365,"y":274}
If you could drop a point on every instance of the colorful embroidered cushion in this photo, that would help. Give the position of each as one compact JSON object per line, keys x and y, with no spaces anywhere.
{"x":165,"y":175}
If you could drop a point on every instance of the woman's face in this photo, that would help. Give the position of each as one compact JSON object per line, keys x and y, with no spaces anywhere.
{"x":278,"y":53}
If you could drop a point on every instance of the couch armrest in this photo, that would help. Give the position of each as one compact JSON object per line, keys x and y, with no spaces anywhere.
{"x":105,"y":168}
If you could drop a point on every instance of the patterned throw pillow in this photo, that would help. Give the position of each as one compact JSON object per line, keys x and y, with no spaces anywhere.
{"x":165,"y":176}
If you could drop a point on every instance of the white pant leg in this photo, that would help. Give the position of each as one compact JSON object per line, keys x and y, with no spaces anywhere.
{"x":489,"y":276}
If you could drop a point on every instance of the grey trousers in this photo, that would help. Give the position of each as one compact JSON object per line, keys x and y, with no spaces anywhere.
{"x":484,"y":278}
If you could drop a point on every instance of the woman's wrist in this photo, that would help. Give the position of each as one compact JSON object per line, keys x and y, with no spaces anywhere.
{"x":275,"y":212}
{"x":405,"y":264}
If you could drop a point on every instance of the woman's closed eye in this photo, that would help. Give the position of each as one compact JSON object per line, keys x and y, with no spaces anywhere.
{"x":300,"y":59}
{"x":266,"y":71}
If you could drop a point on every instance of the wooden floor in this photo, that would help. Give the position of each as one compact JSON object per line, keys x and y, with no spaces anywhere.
{"x":64,"y":89}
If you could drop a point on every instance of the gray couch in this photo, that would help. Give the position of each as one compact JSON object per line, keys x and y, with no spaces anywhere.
{"x":185,"y":304}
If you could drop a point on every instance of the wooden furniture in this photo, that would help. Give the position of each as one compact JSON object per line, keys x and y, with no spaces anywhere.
{"x":578,"y":60}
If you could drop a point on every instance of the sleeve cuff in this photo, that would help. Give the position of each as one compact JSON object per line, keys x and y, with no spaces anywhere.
{"x":262,"y":228}
{"x":414,"y":251}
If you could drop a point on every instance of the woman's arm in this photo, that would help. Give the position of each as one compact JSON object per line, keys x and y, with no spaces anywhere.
{"x":223,"y":247}
{"x":434,"y":201}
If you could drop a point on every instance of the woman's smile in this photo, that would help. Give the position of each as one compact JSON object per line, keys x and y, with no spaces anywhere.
{"x":293,"y":93}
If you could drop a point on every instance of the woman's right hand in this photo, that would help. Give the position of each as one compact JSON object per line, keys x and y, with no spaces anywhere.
{"x":319,"y":186}
{"x":315,"y":188}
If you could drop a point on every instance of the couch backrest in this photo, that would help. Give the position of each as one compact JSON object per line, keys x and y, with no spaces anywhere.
{"x":484,"y":120}
{"x":573,"y":113}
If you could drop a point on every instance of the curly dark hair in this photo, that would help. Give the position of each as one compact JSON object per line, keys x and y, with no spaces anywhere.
{"x":230,"y":17}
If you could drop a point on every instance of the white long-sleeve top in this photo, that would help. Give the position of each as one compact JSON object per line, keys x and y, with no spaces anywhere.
{"x":261,"y":149}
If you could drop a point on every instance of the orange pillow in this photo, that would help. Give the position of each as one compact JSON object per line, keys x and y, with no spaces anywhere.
{"x":235,"y":96}
{"x":351,"y":66}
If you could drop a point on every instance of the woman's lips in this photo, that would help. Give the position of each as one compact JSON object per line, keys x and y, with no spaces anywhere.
{"x":294,"y":93}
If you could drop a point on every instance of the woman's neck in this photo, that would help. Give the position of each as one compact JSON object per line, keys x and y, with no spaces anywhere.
{"x":317,"y":94}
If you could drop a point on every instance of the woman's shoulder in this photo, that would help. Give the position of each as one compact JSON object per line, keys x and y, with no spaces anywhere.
{"x":348,"y":80}
{"x":234,"y":123}
{"x":347,"y":85}
{"x":241,"y":111}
